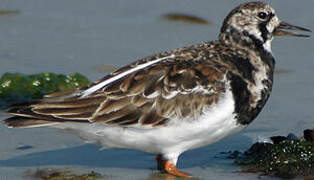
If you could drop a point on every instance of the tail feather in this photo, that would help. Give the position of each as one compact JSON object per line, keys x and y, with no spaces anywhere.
{"x":53,"y":109}
{"x":25,"y":117}
{"x":26,"y":111}
{"x":25,"y":122}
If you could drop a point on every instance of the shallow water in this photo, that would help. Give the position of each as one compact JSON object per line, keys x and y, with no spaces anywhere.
{"x":79,"y":36}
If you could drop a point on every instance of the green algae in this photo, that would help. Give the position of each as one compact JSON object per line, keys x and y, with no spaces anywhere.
{"x":286,"y":159}
{"x":8,"y":12}
{"x":187,"y":18}
{"x":19,"y":88}
{"x":53,"y":174}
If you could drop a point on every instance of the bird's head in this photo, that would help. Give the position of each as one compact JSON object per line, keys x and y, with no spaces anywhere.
{"x":256,"y":24}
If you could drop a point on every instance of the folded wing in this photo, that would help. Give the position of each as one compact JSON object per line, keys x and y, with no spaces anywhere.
{"x":173,"y":88}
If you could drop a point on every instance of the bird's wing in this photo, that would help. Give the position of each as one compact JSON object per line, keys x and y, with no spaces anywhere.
{"x":148,"y":92}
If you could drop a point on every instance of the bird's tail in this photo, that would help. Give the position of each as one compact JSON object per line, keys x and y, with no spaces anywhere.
{"x":25,"y":122}
{"x":53,"y":109}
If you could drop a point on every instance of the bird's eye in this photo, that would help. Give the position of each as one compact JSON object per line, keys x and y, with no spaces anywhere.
{"x":262,"y":15}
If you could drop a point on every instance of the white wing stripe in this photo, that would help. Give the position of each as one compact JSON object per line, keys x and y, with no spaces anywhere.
{"x":119,"y":76}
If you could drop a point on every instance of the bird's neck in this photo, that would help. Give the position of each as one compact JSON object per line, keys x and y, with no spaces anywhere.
{"x":258,"y":80}
{"x":244,"y":39}
{"x":250,"y":43}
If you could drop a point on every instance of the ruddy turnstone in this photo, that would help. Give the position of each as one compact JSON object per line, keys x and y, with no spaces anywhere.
{"x":177,"y":100}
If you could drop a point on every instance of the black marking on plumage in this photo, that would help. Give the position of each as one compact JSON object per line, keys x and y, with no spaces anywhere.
{"x":236,"y":36}
{"x":243,"y":64}
{"x":263,"y":28}
{"x":245,"y":114}
{"x":257,"y":42}
{"x":269,"y":60}
{"x":241,"y":95}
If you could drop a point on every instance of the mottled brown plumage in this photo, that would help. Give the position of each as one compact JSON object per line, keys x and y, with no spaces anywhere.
{"x":150,"y":96}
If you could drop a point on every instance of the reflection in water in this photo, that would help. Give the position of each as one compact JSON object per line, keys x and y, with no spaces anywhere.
{"x":162,"y":176}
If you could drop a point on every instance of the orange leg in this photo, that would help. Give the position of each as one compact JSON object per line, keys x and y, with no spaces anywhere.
{"x":169,"y":167}
{"x":172,"y":169}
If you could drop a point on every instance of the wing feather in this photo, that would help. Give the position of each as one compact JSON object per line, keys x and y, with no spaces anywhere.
{"x":174,"y":88}
{"x":113,"y":105}
{"x":82,"y":116}
{"x":180,"y":90}
{"x":65,"y":111}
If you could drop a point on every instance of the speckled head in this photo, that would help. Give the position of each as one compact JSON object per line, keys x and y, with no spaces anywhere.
{"x":255,"y":24}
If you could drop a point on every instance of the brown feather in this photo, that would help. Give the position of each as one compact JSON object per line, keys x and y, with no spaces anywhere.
{"x":150,"y":118}
{"x":65,"y":111}
{"x":131,"y":118}
{"x":81,"y":116}
{"x":176,"y":88}
{"x":22,"y":122}
{"x":113,"y":105}
{"x":110,"y":116}
{"x":136,"y":88}
{"x":139,"y":100}
{"x":77,"y":102}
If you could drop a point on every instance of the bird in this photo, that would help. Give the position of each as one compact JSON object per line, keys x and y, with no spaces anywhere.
{"x":177,"y":100}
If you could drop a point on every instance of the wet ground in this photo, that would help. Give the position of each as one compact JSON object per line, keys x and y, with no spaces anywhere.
{"x":79,"y":36}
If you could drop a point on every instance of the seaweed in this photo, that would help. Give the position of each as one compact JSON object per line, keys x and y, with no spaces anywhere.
{"x":185,"y":18}
{"x":8,"y":12}
{"x":287,"y":158}
{"x":53,"y":174}
{"x":19,"y":88}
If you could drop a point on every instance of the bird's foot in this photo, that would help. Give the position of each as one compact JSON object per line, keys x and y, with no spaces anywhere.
{"x":172,"y":169}
{"x":168,"y":167}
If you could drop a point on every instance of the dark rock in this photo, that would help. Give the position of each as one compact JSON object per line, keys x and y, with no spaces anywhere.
{"x":278,"y":139}
{"x":292,"y":136}
{"x":234,"y":154}
{"x":286,"y":159}
{"x":258,"y":149}
{"x":309,"y":135}
{"x":309,"y":178}
{"x":24,"y":147}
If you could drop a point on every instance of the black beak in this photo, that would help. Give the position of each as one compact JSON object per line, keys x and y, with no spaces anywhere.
{"x":280,"y":30}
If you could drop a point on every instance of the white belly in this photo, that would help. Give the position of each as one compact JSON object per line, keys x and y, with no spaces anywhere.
{"x":180,"y":135}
